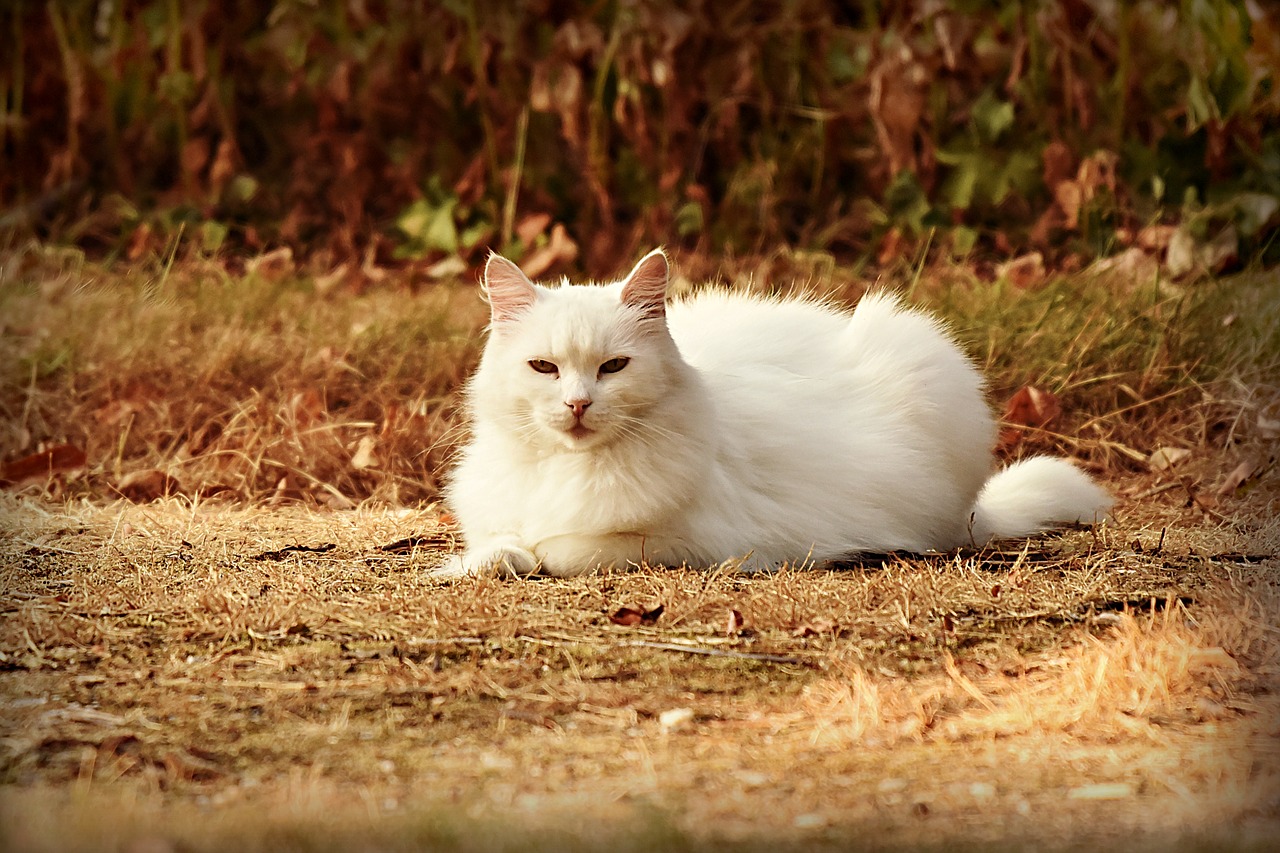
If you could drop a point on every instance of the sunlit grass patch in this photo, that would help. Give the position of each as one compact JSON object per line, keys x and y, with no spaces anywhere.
{"x":279,"y":385}
{"x":208,"y":676}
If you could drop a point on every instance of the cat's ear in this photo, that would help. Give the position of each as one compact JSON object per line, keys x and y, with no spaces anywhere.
{"x":646,"y":287}
{"x":508,"y":289}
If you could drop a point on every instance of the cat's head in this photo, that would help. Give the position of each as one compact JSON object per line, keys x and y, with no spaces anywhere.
{"x":576,"y":366}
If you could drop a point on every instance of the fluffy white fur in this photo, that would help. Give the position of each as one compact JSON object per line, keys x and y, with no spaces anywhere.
{"x":775,"y":430}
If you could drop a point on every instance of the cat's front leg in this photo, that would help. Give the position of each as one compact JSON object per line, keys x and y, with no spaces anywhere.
{"x":575,"y":554}
{"x":505,"y":557}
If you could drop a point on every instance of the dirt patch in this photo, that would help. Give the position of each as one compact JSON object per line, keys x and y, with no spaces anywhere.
{"x":290,"y":679}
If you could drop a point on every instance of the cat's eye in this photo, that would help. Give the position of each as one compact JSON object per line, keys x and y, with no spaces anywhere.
{"x":542,"y":366}
{"x":613,"y":365}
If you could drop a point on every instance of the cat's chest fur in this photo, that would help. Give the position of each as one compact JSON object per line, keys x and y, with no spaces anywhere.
{"x":623,"y":487}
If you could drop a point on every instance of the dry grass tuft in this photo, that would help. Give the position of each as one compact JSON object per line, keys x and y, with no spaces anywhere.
{"x":297,"y":683}
{"x":1146,"y":671}
{"x":239,"y":385}
{"x":281,"y":388}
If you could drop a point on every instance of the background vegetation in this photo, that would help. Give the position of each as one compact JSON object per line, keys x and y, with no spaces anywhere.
{"x":237,"y":257}
{"x":393,"y":130}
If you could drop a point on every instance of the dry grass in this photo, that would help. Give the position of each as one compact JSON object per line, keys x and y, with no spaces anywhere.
{"x":271,"y":384}
{"x":176,"y":675}
{"x":246,"y":666}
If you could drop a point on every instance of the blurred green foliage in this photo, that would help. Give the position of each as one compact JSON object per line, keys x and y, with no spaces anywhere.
{"x":400,"y":129}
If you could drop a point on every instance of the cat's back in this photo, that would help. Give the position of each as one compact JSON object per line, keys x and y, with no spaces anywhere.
{"x":722,"y":330}
{"x":725,"y":330}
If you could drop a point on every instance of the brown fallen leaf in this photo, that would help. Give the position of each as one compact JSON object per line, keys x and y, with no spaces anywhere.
{"x":560,"y":249}
{"x":365,"y":457}
{"x":1155,"y":238}
{"x":819,"y":628}
{"x":1180,"y":251}
{"x":1029,"y":407}
{"x":140,"y":242}
{"x":305,"y":408}
{"x":897,"y":101}
{"x":181,"y":764}
{"x":1237,"y":477}
{"x":1023,"y":272}
{"x":893,"y":246}
{"x":531,"y":227}
{"x":272,"y":266}
{"x":42,"y":465}
{"x":629,"y":616}
{"x":736,"y":623}
{"x":1164,"y":458}
{"x":1096,"y":172}
{"x":1057,"y":163}
{"x":1133,"y":263}
{"x":146,"y":486}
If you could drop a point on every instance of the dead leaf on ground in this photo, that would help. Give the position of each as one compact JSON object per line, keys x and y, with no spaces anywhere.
{"x":305,"y":408}
{"x":181,"y":764}
{"x":817,"y":628}
{"x":629,"y":616}
{"x":365,"y":457}
{"x":897,"y":102}
{"x":1155,"y":238}
{"x":1164,"y":458}
{"x":1057,"y":163}
{"x":448,"y":267}
{"x":736,"y":623}
{"x":1180,"y":252}
{"x":1029,"y":408}
{"x":1070,"y":195}
{"x":409,"y":544}
{"x":675,"y":718}
{"x":281,"y":553}
{"x":272,"y":266}
{"x":42,"y":465}
{"x":146,"y":486}
{"x":531,"y":227}
{"x":1023,"y":272}
{"x":893,"y":246}
{"x":1237,"y":477}
{"x":142,"y":240}
{"x":560,"y":249}
{"x":1133,"y":263}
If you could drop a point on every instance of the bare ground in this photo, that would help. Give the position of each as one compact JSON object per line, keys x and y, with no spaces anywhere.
{"x":196,"y":676}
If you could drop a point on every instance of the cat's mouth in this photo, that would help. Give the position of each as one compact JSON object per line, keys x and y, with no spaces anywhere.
{"x":579,"y":431}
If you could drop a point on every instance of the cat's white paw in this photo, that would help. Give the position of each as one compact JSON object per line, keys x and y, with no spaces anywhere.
{"x":504,"y":561}
{"x":454,"y":566}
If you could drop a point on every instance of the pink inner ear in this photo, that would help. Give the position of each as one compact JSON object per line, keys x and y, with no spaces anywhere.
{"x":646,"y":287}
{"x":508,"y":289}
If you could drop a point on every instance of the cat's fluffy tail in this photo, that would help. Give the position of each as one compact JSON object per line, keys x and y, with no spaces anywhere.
{"x":1034,"y":495}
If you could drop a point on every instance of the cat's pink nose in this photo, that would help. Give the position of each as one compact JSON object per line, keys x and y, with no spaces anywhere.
{"x":579,"y":407}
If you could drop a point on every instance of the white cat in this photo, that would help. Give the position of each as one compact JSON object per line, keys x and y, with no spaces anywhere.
{"x":612,"y":429}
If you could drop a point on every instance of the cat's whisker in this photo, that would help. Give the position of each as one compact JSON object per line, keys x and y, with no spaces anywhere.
{"x":648,"y":434}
